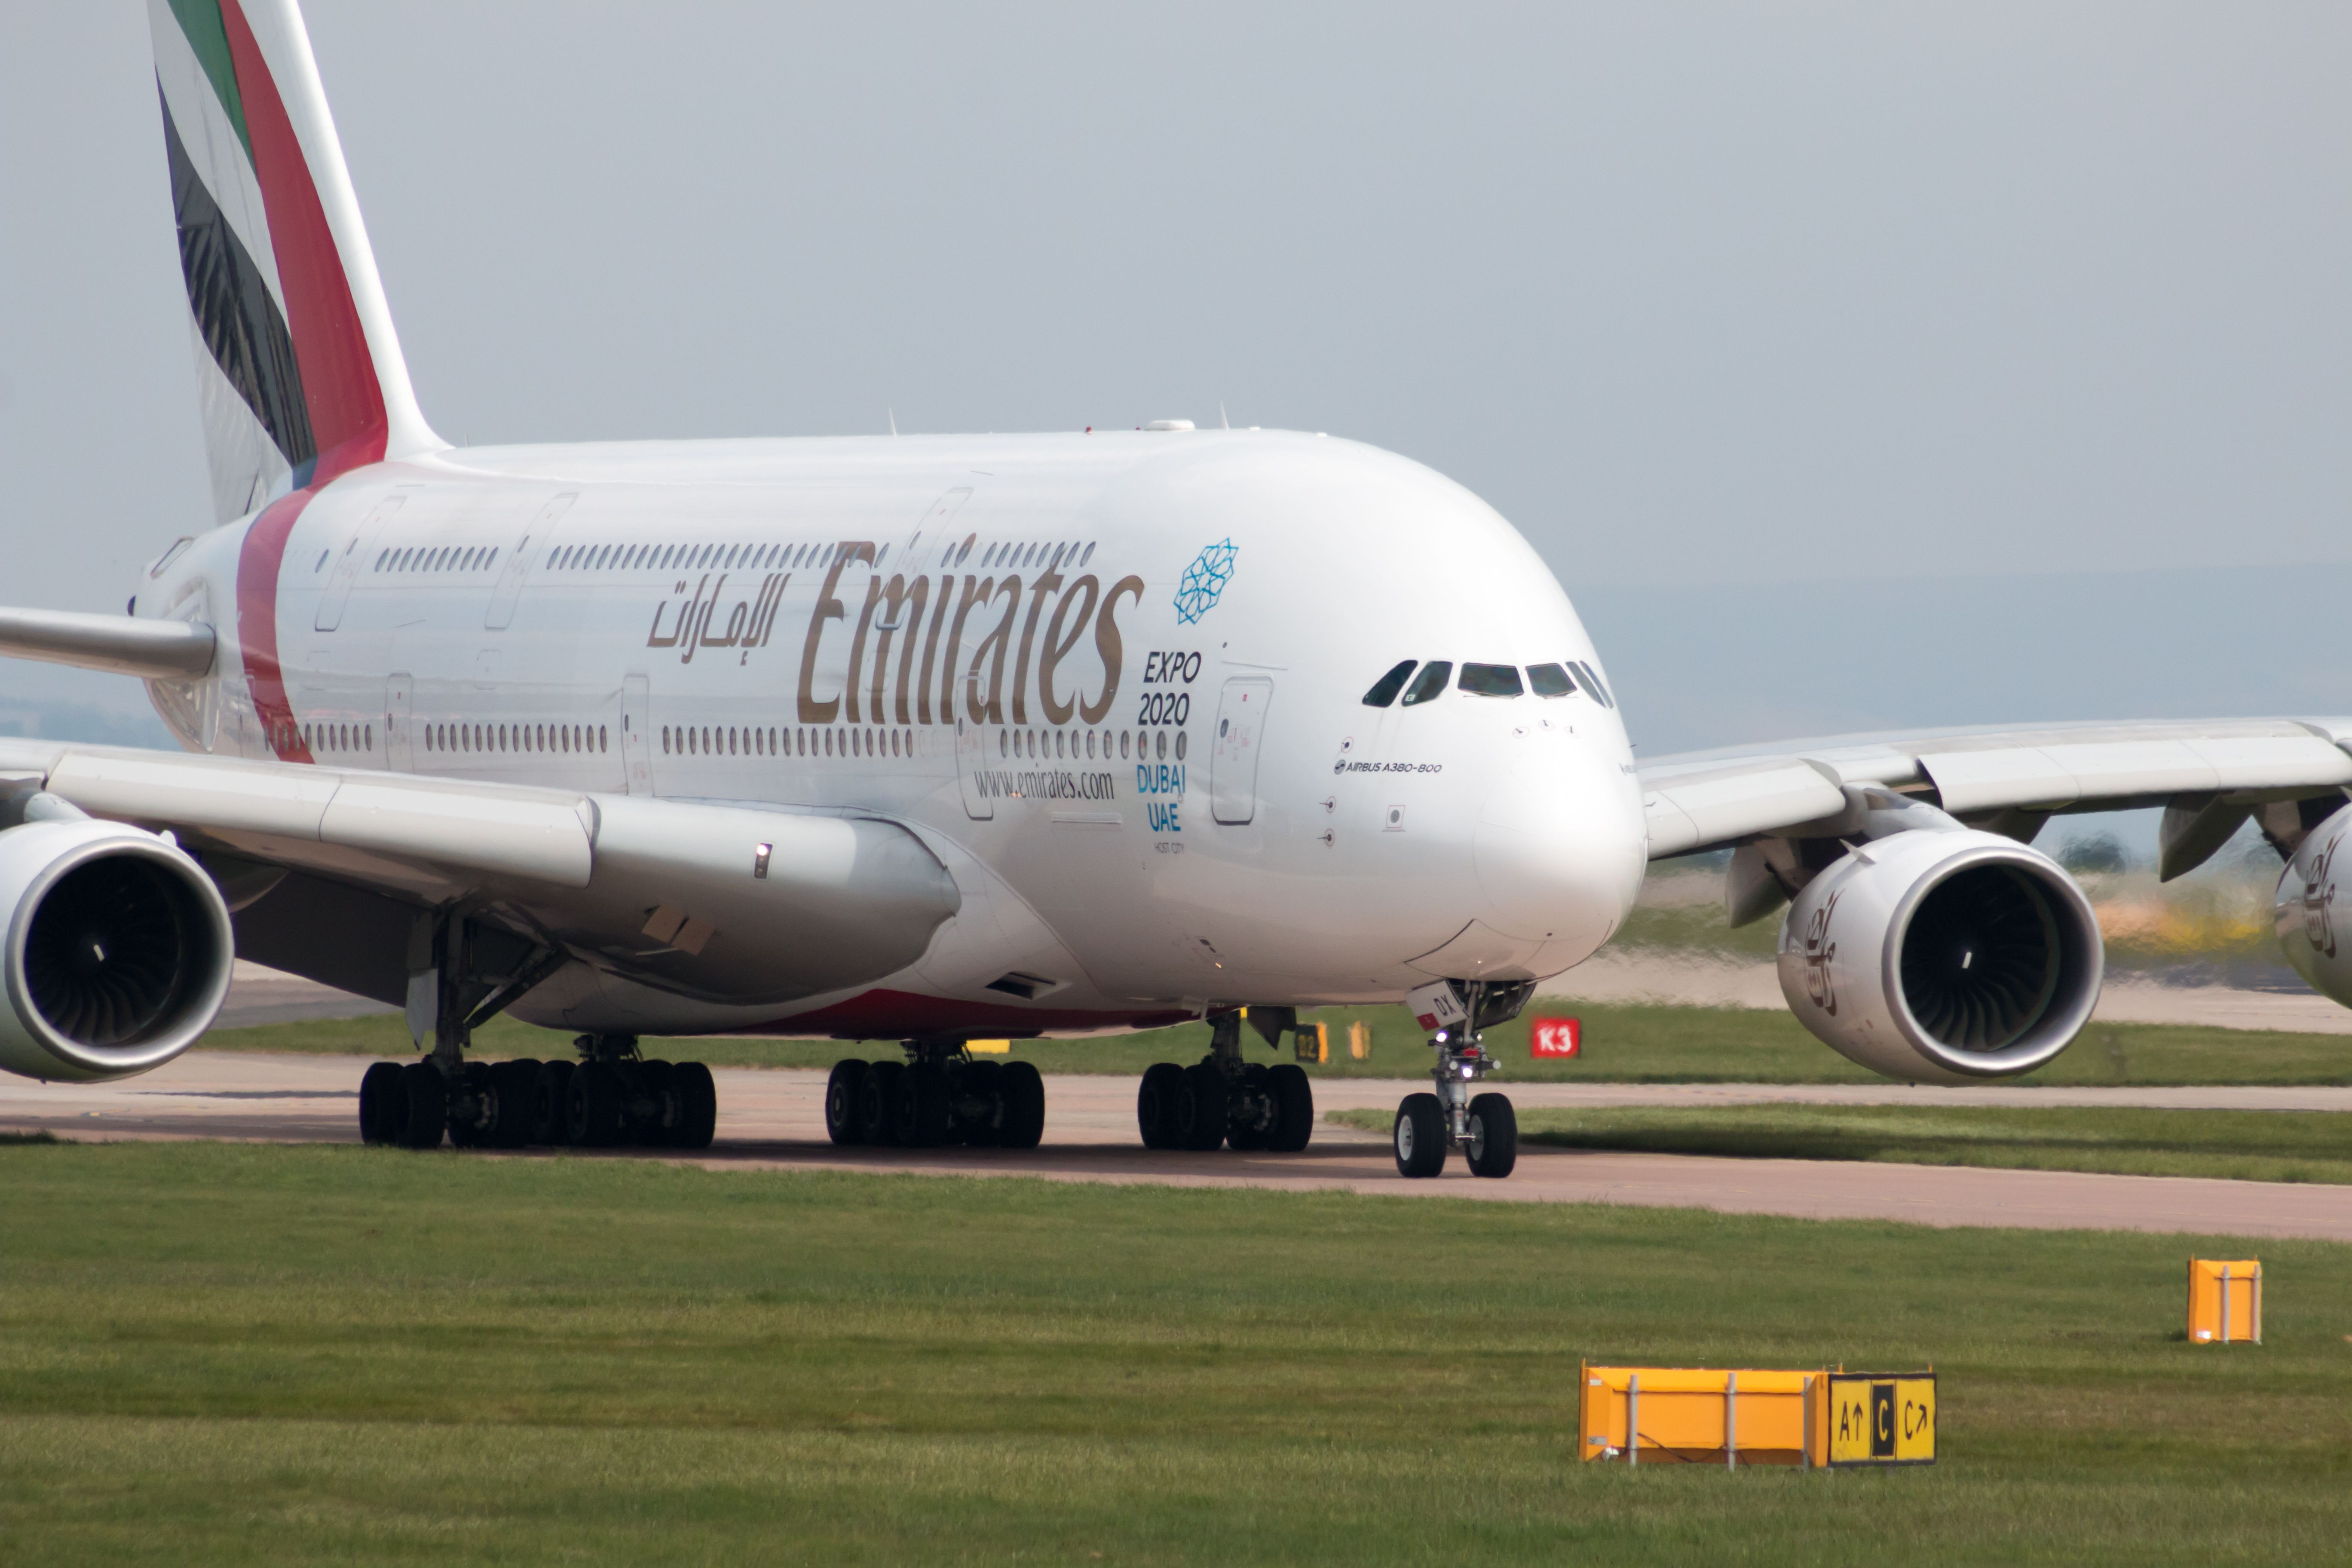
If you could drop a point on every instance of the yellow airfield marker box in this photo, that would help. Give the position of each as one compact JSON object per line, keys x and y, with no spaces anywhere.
{"x":1747,"y":1416}
{"x":2225,"y":1301}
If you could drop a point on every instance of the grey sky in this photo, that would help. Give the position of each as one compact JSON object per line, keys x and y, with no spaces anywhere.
{"x":1742,"y":310}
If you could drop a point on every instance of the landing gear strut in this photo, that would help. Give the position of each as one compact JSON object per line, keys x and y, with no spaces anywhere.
{"x":461,"y":976}
{"x":939,"y":1094}
{"x":1222,"y":1101}
{"x":1428,"y":1126}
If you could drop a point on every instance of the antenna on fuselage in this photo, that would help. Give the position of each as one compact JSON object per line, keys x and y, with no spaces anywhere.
{"x":892,"y":415}
{"x":1222,"y":423}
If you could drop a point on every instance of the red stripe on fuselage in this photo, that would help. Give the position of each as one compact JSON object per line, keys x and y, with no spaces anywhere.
{"x":903,"y":1016}
{"x":259,"y":562}
{"x":338,"y":382}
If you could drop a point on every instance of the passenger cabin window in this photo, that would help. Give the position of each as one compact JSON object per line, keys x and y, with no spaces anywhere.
{"x":1429,"y":684}
{"x":1550,"y":680}
{"x":1384,"y":690}
{"x":1491,"y":680}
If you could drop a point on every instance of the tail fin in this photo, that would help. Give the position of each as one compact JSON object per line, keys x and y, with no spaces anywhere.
{"x":300,"y":374}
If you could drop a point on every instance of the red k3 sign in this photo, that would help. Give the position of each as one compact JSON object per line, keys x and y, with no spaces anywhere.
{"x":1559,"y":1038}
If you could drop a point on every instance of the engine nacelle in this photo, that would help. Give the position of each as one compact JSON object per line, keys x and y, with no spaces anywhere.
{"x":2313,"y":910}
{"x":1943,"y":957}
{"x":117,"y":952}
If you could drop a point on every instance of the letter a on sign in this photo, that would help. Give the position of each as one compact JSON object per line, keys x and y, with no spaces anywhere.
{"x":1558,"y":1037}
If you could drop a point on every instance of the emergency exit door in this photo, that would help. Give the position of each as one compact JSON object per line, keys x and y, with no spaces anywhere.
{"x":1232,"y":750}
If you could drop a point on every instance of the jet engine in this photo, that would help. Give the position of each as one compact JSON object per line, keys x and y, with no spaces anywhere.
{"x":1942,"y":956}
{"x":2313,"y":910}
{"x":118,"y":951}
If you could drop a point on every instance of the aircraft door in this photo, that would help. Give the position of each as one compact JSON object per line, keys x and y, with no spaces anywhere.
{"x":636,"y":757}
{"x":347,"y":565}
{"x":971,"y":756}
{"x":519,"y":560}
{"x":399,"y":700}
{"x":1233,"y":751}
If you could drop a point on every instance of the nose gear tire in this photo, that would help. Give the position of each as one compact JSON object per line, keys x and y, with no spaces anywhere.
{"x":1419,"y":1136}
{"x":1493,"y":1136}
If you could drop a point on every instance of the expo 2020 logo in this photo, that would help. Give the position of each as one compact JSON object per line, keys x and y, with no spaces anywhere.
{"x":1205,"y":581}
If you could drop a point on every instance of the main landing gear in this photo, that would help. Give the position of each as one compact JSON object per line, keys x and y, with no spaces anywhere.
{"x":1222,"y":1101}
{"x":1428,"y":1125}
{"x":938,"y":1095}
{"x":609,"y":1098}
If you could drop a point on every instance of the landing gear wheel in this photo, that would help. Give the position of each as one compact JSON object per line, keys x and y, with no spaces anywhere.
{"x":591,"y":1106}
{"x":1200,"y":1108}
{"x":1421,"y":1136}
{"x":649,"y":1106}
{"x":925,"y":1112}
{"x":841,"y":1102}
{"x":1243,"y":1135}
{"x":698,"y":1106}
{"x":383,"y":1107}
{"x":427,"y":1098}
{"x":1293,"y":1098}
{"x":1155,"y":1105}
{"x":1493,"y":1136}
{"x":1023,"y":1096}
{"x":514,"y":1087}
{"x":466,"y":1128}
{"x":878,"y":1104}
{"x":981,"y":1082}
{"x":549,"y":1097}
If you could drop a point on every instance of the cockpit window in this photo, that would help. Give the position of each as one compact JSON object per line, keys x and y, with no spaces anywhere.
{"x":1430,"y":683}
{"x":1593,"y":681}
{"x":1550,"y":680}
{"x":1491,"y":680}
{"x":1384,"y":690}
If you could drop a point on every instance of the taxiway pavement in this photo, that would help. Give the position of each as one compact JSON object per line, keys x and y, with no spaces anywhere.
{"x":773,"y":1120}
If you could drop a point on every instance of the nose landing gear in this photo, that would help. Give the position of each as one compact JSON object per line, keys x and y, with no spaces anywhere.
{"x":1428,"y":1125}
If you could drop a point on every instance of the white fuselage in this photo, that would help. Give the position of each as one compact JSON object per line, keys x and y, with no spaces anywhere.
{"x":1115,"y":682}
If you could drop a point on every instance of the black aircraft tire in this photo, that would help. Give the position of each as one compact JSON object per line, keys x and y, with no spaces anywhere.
{"x":549,"y":1096}
{"x":1155,"y":1104}
{"x":697,"y":1105}
{"x":878,"y":1104}
{"x":427,"y":1098}
{"x":1294,"y":1096}
{"x":650,"y":1101}
{"x":1024,"y":1094}
{"x":383,"y":1107}
{"x":840,"y":1087}
{"x":1200,"y":1108}
{"x":925,"y":1111}
{"x":591,"y":1106}
{"x":515,"y":1087}
{"x":1419,"y":1136}
{"x":1493,"y":1136}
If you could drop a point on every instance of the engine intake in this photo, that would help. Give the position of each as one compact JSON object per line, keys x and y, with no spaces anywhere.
{"x":1943,"y":957}
{"x":117,"y":951}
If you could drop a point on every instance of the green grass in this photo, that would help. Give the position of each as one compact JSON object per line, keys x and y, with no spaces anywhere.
{"x":240,"y":1353}
{"x":1652,"y":1043}
{"x":2240,"y":1145}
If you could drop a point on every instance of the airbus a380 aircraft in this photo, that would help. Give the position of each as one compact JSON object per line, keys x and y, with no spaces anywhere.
{"x":924,"y":740}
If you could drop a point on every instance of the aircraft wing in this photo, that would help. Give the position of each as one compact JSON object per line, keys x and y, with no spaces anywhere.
{"x":2210,"y":774}
{"x":730,"y":903}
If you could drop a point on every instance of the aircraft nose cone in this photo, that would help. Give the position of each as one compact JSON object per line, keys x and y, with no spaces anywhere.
{"x":1560,"y":849}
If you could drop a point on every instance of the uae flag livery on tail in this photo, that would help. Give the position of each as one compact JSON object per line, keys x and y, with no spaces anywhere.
{"x":302,"y":375}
